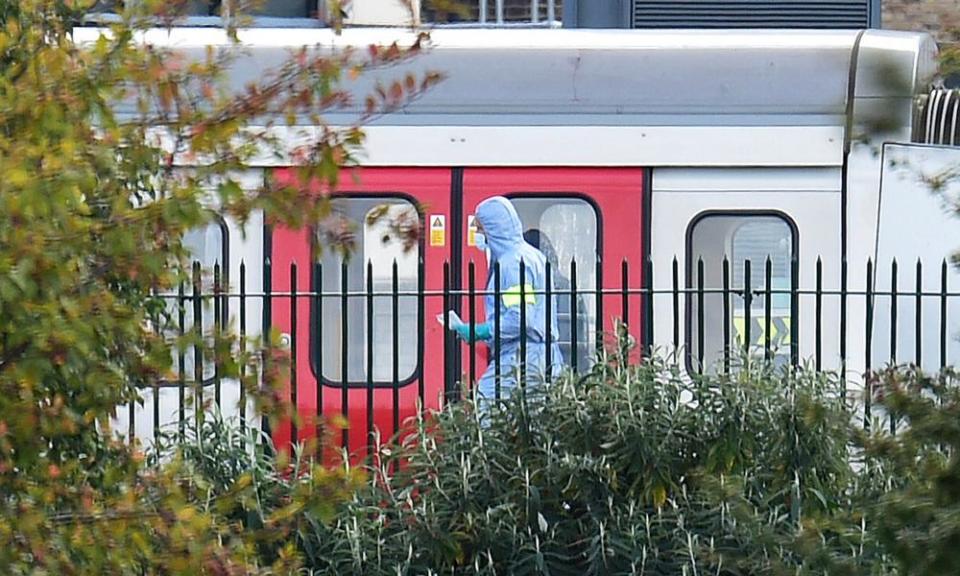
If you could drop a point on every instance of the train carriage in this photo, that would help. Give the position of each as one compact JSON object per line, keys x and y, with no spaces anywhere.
{"x":635,"y":154}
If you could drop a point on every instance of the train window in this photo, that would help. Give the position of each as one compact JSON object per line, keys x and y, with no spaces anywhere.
{"x":566,"y":229}
{"x":207,"y":246}
{"x":370,"y":219}
{"x":740,"y":237}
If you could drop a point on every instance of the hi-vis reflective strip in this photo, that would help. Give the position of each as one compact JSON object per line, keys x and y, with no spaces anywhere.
{"x":779,"y":330}
{"x":511,"y":296}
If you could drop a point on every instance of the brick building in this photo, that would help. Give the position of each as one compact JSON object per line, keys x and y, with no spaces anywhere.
{"x":940,"y":17}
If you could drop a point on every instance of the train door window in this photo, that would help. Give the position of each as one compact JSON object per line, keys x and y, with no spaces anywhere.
{"x":566,"y":229}
{"x":372,"y":222}
{"x":742,"y":238}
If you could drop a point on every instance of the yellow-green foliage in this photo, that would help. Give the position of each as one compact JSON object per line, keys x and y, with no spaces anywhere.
{"x":92,"y":213}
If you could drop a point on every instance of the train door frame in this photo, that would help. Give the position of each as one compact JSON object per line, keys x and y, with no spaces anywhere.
{"x":428,"y":190}
{"x":914,"y":223}
{"x":625,"y":187}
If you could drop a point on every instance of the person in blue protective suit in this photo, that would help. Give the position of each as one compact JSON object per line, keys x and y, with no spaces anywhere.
{"x":499,"y":230}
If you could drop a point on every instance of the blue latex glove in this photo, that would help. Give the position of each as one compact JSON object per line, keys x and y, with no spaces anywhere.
{"x":462,"y":329}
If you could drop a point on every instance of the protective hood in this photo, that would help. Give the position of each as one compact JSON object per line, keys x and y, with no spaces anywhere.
{"x":501,"y":225}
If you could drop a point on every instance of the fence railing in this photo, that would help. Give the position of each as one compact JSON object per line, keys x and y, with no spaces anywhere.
{"x":503,"y":13}
{"x":312,"y":13}
{"x":377,"y":354}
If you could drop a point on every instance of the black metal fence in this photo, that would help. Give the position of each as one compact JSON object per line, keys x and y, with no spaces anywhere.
{"x":853,"y":327}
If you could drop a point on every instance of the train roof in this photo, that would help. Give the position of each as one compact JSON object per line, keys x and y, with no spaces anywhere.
{"x":605,"y":77}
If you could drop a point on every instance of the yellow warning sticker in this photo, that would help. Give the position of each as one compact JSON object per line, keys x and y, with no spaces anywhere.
{"x":471,"y":230}
{"x":438,"y":230}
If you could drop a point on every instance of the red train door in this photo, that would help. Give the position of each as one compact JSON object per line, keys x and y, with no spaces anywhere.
{"x":593,"y":216}
{"x":341,"y":341}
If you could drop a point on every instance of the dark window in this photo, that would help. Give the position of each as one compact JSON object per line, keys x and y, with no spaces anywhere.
{"x":266,"y":8}
{"x":510,"y":11}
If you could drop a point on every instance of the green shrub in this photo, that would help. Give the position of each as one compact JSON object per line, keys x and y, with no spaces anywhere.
{"x":237,"y":475}
{"x":631,"y":469}
{"x":915,"y":510}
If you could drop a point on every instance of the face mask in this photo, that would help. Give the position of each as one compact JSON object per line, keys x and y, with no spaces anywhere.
{"x":480,"y":241}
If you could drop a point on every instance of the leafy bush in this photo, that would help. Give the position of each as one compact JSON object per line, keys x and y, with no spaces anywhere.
{"x":93,"y":213}
{"x":916,"y":511}
{"x":237,"y":475}
{"x":630,"y":469}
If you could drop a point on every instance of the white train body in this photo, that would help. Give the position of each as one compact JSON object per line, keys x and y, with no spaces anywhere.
{"x":720,"y":130}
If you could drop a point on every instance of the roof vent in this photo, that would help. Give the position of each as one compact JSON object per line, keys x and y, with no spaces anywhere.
{"x":751,"y":14}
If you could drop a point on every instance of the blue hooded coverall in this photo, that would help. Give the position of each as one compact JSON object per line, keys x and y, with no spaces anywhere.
{"x":504,"y":238}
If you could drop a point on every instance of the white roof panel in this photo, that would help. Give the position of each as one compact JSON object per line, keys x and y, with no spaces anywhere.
{"x":576,"y":77}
